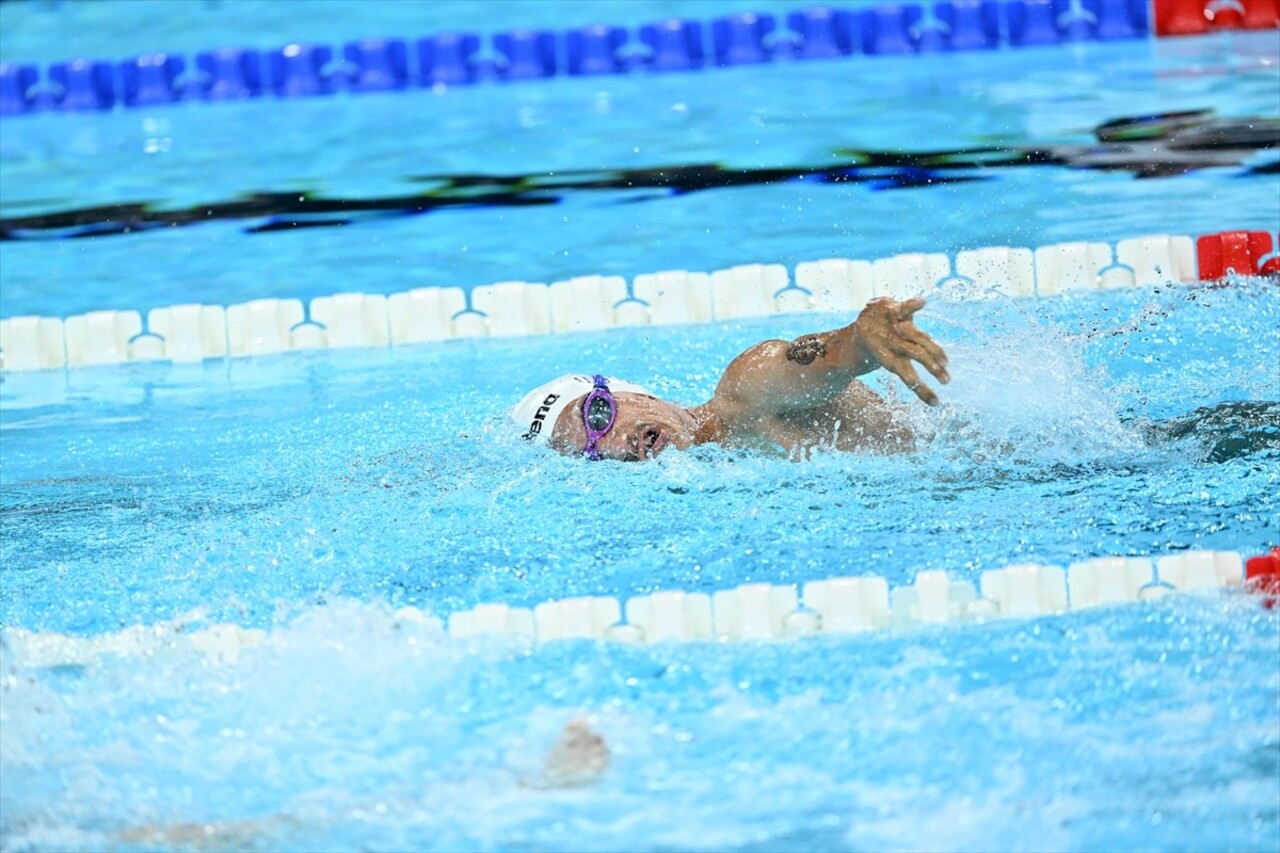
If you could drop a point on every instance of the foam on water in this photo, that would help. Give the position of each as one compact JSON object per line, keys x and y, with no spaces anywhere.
{"x":1023,"y":390}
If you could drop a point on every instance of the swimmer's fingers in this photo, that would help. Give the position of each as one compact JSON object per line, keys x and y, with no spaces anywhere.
{"x":916,"y":344}
{"x":890,"y":339}
{"x":908,"y":307}
{"x":902,"y":368}
{"x":919,"y":346}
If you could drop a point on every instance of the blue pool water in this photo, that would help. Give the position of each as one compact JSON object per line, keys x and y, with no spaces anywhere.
{"x":313,"y":495}
{"x":802,"y":114}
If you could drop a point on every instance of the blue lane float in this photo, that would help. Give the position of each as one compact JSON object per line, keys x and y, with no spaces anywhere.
{"x":82,"y":84}
{"x":741,"y":39}
{"x":887,"y":30}
{"x":377,"y":65}
{"x":446,"y":59}
{"x":16,"y":85}
{"x":527,"y":54}
{"x":822,"y":33}
{"x":969,"y":26}
{"x":230,"y":74}
{"x":459,"y":59}
{"x":151,"y":80}
{"x":595,"y":49}
{"x":298,"y":71}
{"x":1033,"y":22}
{"x":675,"y":45}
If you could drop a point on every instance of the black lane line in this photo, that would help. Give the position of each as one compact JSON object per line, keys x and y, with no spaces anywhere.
{"x":1160,"y":146}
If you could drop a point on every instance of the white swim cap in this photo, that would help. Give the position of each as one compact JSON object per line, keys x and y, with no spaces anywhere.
{"x":536,"y":414}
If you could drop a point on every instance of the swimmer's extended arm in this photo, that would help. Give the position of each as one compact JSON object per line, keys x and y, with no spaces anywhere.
{"x":776,"y":377}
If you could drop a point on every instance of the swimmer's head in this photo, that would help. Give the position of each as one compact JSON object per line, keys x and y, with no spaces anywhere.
{"x":642,"y":428}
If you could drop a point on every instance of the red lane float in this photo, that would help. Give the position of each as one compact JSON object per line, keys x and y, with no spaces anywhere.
{"x":1240,"y":252}
{"x":1181,"y":18}
{"x":1262,"y":576}
{"x":1194,"y":17}
{"x":1261,"y":14}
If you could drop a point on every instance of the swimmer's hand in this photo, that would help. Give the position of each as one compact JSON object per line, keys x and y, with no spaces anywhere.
{"x":887,"y":337}
{"x":764,"y":387}
{"x":578,"y":758}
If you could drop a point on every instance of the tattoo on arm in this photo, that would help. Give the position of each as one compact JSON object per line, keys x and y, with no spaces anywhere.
{"x":804,"y":350}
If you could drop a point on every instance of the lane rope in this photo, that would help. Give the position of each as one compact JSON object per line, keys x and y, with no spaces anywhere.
{"x":757,"y":612}
{"x":193,"y":333}
{"x":448,"y":60}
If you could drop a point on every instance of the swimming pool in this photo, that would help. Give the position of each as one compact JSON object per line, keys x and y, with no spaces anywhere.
{"x":339,"y":500}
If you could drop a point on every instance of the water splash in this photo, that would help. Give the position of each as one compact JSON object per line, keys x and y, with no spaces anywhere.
{"x":1022,"y":391}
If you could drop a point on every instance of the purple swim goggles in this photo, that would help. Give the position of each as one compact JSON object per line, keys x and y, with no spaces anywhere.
{"x":599,"y":411}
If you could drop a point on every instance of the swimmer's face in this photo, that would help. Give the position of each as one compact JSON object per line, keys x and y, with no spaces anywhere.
{"x":645,"y":427}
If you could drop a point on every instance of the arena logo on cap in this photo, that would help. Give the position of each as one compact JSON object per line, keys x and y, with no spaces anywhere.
{"x":540,"y":416}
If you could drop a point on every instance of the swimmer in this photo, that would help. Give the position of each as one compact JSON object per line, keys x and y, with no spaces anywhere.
{"x":578,"y":758}
{"x":222,"y":835}
{"x":783,"y":396}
